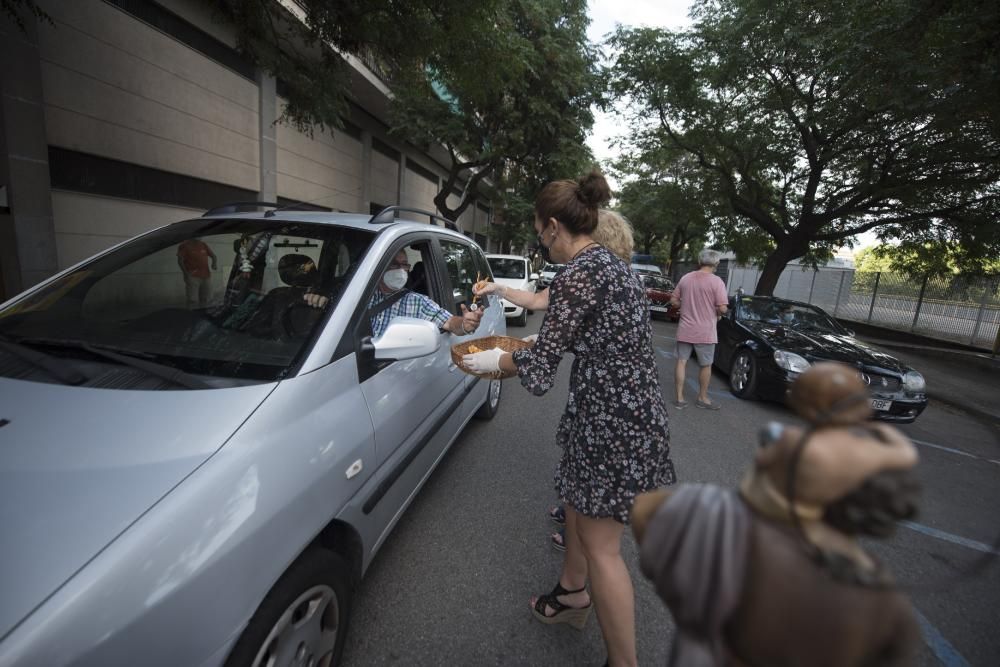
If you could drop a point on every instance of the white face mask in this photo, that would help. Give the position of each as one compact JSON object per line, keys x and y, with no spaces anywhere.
{"x":395,"y":279}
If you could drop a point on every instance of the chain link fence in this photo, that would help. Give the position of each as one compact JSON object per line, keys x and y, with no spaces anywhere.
{"x":962,"y":309}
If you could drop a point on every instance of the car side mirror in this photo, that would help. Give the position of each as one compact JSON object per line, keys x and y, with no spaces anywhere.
{"x":407,"y":338}
{"x":533,"y":276}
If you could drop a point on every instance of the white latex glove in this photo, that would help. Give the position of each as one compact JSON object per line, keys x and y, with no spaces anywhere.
{"x":484,"y":362}
{"x":530,"y":339}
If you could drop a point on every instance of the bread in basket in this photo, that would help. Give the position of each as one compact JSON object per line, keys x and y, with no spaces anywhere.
{"x":505,"y":343}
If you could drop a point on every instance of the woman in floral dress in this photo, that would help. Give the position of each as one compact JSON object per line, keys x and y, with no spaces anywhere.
{"x":614,"y":431}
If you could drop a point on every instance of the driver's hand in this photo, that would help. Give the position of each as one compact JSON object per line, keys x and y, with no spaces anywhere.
{"x":316,"y":300}
{"x":470,"y":319}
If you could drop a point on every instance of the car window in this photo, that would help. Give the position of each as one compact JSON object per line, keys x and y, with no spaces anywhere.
{"x":209,"y":296}
{"x":793,"y":315}
{"x":505,"y":267}
{"x":416,"y":259}
{"x":462,"y":271}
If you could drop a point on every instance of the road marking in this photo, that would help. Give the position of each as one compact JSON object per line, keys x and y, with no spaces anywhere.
{"x":948,"y":537}
{"x":946,"y":654}
{"x":954,"y":451}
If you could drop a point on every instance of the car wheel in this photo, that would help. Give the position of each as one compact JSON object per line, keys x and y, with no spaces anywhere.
{"x":489,"y":407}
{"x":522,"y":319}
{"x":743,"y":375}
{"x":303,"y":619}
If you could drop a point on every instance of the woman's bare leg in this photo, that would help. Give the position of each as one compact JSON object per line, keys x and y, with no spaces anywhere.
{"x":574,"y":570}
{"x":611,"y":586}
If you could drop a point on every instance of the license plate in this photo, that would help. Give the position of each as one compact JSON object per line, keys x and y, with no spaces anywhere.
{"x":659,"y":309}
{"x":881,"y":404}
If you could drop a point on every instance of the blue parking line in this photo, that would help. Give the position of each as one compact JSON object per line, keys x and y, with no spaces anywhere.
{"x":691,"y":382}
{"x":948,"y":537}
{"x":666,"y":354}
{"x":946,"y":654}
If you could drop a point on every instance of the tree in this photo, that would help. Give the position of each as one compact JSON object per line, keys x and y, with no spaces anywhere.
{"x":822,"y":121}
{"x":515,"y":98}
{"x":305,"y":50}
{"x":668,"y":201}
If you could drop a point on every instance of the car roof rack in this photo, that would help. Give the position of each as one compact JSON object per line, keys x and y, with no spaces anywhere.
{"x":248,"y":206}
{"x":388,"y":214}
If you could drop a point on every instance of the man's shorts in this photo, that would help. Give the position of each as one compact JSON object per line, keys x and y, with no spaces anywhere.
{"x":704,"y":351}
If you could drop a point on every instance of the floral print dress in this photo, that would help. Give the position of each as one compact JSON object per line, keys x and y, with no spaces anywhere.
{"x":614,"y":432}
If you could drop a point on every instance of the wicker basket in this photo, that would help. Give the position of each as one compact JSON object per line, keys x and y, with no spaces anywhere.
{"x":505,"y":343}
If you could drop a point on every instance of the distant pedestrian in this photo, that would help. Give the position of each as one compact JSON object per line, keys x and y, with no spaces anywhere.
{"x":193,"y":257}
{"x":701,"y":296}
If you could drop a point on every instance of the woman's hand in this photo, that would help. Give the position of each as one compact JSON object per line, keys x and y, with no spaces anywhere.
{"x":483,"y":288}
{"x":484,"y":362}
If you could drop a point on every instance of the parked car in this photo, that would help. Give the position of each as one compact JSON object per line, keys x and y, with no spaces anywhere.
{"x":548,"y":274}
{"x":207,"y":485}
{"x":647,"y":268}
{"x":765,"y":343}
{"x":658,"y":291}
{"x":513,"y":271}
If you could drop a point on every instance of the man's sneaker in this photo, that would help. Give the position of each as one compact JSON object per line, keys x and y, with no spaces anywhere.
{"x":706,"y":406}
{"x":680,"y":405}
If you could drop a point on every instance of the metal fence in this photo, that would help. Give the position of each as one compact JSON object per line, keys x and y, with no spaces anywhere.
{"x":962,"y":309}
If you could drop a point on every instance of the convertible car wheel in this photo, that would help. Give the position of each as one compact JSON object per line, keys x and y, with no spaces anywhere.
{"x":303,"y":619}
{"x":489,"y":409}
{"x":743,"y":375}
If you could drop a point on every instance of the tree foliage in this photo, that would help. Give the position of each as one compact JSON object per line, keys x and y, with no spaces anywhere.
{"x":305,"y":50}
{"x":818,"y":122}
{"x":515,"y":98}
{"x":496,"y":82}
{"x":669,"y":201}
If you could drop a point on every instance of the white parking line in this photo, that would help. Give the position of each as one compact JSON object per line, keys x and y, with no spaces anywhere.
{"x":952,"y":450}
{"x":949,"y":537}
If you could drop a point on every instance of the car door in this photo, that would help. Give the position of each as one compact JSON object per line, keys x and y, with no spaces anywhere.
{"x":411,"y":401}
{"x":729,"y":333}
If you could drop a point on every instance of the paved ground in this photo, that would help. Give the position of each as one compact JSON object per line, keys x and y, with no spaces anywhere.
{"x":451,"y":584}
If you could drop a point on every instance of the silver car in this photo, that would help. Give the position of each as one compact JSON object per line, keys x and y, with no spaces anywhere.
{"x":197,"y":467}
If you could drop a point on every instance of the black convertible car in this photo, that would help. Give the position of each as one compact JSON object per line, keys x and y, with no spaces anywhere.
{"x":764,"y":343}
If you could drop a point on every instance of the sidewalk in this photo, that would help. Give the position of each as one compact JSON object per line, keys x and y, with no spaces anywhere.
{"x":969,"y":381}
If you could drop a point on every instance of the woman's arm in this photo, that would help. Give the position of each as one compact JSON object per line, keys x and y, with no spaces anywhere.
{"x":518,"y":297}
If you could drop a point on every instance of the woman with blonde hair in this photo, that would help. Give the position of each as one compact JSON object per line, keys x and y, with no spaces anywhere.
{"x":613,"y":433}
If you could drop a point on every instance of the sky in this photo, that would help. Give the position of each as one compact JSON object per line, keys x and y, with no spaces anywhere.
{"x":604,"y":16}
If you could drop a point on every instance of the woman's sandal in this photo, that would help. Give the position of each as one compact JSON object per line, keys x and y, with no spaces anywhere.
{"x":558,"y":514}
{"x":575,"y":616}
{"x":559,"y":540}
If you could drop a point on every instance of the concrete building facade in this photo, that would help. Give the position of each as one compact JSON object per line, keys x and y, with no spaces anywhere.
{"x":124,"y":115}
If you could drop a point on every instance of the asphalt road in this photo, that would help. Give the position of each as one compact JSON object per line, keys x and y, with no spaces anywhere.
{"x":451,"y":584}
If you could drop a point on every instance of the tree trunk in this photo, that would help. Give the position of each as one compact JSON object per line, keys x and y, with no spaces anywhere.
{"x":775,"y":264}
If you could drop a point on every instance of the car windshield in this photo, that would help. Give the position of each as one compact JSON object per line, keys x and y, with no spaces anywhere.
{"x":551,"y":268}
{"x":211,"y":297}
{"x":506,"y":267}
{"x":785,"y":313}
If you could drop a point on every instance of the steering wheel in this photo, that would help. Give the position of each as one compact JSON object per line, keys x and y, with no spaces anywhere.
{"x":298,"y":318}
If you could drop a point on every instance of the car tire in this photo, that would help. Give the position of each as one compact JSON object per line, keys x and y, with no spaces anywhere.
{"x":315,"y":590}
{"x":488,"y":409}
{"x":522,"y":319}
{"x":743,"y":375}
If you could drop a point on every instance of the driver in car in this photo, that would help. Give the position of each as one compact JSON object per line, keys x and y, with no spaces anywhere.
{"x":410,"y":304}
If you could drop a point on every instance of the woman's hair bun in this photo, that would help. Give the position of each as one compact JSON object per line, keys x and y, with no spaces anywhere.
{"x":594,"y":190}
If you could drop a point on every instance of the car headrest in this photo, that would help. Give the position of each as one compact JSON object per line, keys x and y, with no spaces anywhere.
{"x":297,"y":270}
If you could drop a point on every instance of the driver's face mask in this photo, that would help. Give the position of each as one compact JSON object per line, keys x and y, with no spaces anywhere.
{"x":395,"y":279}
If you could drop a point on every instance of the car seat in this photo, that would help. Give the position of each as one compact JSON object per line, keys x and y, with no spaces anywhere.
{"x":417,"y":280}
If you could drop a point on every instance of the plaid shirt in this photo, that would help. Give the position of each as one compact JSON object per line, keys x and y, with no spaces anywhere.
{"x":412,"y":304}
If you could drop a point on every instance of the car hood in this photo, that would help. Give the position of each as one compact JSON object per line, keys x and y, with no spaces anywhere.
{"x":78,"y":466}
{"x":819,"y":346}
{"x":513,"y":283}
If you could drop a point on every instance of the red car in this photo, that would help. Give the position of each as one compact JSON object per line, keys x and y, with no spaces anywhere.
{"x":658,"y":291}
